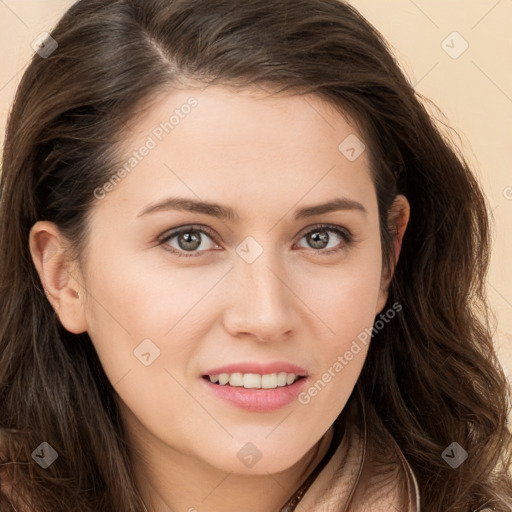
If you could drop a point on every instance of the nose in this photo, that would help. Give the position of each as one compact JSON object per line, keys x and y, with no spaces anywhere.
{"x":262,"y":303}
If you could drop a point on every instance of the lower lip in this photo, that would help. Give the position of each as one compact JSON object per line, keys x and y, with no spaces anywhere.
{"x":257,"y":400}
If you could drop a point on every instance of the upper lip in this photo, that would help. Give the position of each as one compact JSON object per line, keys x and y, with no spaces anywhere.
{"x":260,"y":368}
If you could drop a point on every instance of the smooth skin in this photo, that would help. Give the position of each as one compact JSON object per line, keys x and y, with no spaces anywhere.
{"x":265,"y":158}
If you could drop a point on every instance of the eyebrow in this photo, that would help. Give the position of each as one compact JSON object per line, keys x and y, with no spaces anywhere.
{"x":227,"y":213}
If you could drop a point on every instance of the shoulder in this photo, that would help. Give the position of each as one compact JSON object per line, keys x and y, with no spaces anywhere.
{"x":8,"y":497}
{"x":7,"y":494}
{"x":387,"y":480}
{"x":368,"y":472}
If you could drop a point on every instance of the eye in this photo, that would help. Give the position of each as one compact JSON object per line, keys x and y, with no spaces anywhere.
{"x":191,"y":239}
{"x":319,"y":239}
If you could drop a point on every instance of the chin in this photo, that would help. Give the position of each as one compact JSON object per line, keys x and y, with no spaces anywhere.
{"x":255,"y":458}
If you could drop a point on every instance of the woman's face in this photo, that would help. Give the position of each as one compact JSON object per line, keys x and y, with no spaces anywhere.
{"x":262,"y":290}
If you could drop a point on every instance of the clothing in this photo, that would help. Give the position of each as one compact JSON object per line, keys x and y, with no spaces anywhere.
{"x":364,"y":477}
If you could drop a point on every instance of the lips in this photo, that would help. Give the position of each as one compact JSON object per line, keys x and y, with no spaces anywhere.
{"x":256,"y":387}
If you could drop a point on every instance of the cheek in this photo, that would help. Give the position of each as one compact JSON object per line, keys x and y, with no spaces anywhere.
{"x":141,"y":306}
{"x":346,"y":301}
{"x":139,"y":324}
{"x":341,"y":356}
{"x":347,"y":307}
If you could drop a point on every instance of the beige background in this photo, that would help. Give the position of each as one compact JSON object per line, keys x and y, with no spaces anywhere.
{"x":473,"y":90}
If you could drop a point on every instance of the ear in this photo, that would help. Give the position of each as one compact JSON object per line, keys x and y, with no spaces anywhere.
{"x":48,"y":249}
{"x":398,"y":218}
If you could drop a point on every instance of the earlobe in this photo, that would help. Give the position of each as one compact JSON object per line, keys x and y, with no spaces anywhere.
{"x":56,"y":272}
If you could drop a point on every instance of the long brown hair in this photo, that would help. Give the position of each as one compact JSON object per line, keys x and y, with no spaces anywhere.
{"x":432,"y":375}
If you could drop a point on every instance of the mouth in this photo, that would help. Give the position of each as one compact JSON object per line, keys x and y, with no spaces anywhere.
{"x":254,"y":380}
{"x":256,"y":392}
{"x":254,"y":386}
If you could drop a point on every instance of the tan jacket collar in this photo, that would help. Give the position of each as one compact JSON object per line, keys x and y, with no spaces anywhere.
{"x":367,"y":473}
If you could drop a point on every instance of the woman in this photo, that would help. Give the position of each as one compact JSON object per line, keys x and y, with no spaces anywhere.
{"x":241,"y":270}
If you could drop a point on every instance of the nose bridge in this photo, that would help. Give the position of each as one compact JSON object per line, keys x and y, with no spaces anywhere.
{"x":261,"y":277}
{"x":261,"y":301}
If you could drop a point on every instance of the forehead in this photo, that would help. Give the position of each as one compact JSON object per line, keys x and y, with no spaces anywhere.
{"x":238,"y":144}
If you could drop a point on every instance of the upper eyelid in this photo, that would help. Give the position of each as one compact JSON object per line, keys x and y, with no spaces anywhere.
{"x":325,"y":226}
{"x":191,"y":227}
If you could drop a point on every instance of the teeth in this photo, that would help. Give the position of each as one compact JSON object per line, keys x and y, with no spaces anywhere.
{"x":236,"y":379}
{"x":269,"y":381}
{"x":281,"y":379}
{"x":290,"y":378}
{"x":254,"y":380}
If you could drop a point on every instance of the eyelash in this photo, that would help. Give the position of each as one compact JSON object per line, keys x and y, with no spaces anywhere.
{"x":344,"y":233}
